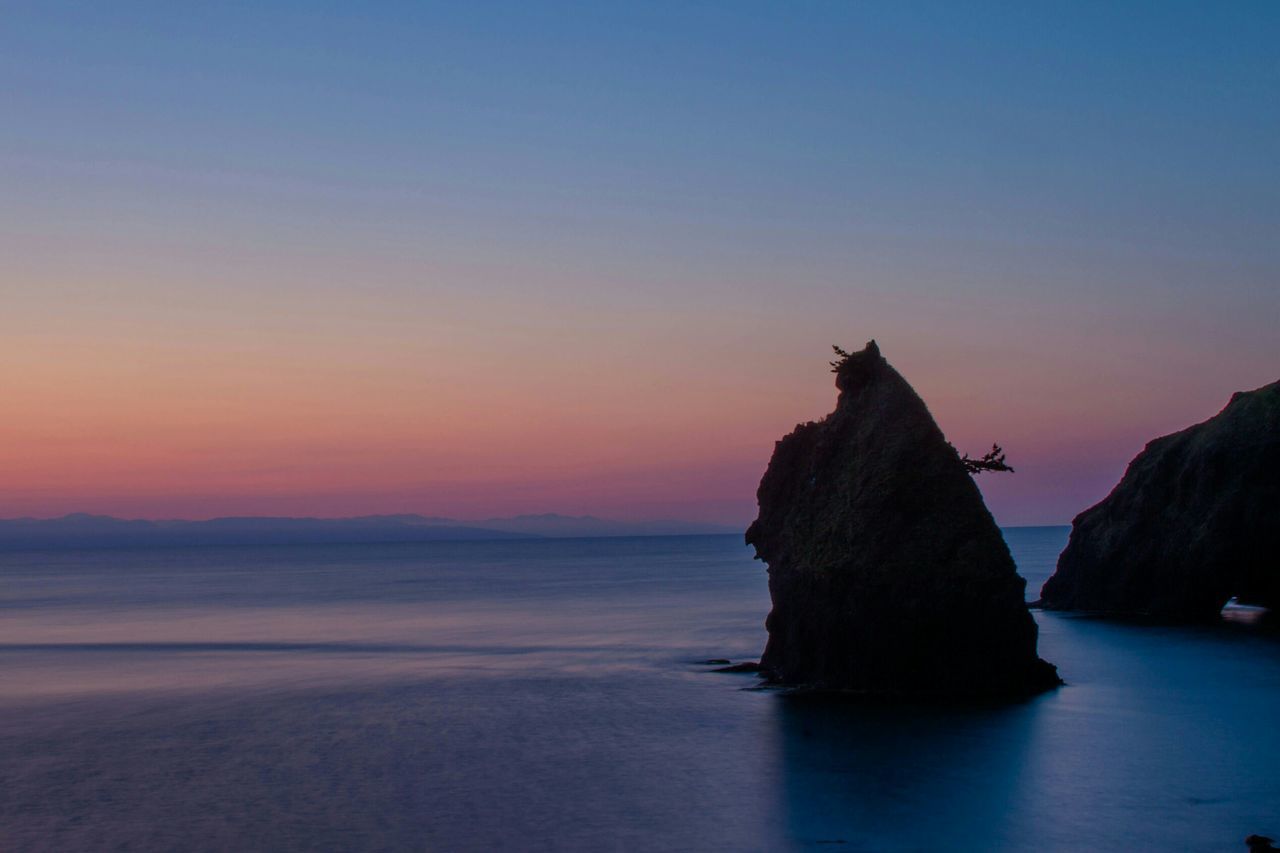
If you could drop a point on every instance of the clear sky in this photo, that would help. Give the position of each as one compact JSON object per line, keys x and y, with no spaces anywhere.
{"x":478,"y":259}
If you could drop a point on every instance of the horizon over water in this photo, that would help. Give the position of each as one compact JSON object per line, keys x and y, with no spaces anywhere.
{"x":547,"y":694}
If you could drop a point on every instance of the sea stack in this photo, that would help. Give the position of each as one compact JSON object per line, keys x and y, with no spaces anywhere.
{"x":1194,"y":521}
{"x":888,"y":575}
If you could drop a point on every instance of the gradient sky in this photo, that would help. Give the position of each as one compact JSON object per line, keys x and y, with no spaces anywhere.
{"x":481,"y":259}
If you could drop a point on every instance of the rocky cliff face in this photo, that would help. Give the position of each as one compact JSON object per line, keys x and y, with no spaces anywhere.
{"x":1194,"y":521}
{"x":887,"y":573}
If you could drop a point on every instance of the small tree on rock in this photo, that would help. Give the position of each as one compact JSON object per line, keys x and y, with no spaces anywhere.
{"x":841,"y":357}
{"x":992,"y":461}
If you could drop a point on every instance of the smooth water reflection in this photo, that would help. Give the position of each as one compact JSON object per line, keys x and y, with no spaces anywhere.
{"x":910,"y":778}
{"x":1164,"y":739}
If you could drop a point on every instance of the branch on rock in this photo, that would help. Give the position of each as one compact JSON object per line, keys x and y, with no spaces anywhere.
{"x":841,"y":358}
{"x":993,"y":461}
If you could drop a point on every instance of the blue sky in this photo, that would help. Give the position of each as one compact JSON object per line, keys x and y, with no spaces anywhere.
{"x":1013,"y":198}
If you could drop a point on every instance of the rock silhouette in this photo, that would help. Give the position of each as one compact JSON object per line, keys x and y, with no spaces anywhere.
{"x":1194,"y":521}
{"x":887,"y":573}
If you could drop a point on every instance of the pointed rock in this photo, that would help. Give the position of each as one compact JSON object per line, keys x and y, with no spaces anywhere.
{"x":887,"y":573}
{"x":1194,"y":521}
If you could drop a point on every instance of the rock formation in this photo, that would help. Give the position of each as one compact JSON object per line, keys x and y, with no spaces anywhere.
{"x":1194,"y":521}
{"x":887,"y":573}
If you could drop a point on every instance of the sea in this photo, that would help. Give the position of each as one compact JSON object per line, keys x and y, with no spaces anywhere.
{"x":554,"y":695}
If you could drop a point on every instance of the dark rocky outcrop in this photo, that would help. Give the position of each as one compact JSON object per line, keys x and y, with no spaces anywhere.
{"x":1194,"y":521}
{"x":888,"y":574}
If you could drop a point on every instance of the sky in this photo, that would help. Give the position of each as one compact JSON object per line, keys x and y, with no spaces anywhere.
{"x":483,"y":259}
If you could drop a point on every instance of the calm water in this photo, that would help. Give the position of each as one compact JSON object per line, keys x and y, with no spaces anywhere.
{"x":546,"y":695}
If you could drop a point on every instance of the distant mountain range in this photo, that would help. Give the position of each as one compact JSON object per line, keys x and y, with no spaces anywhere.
{"x":80,"y":530}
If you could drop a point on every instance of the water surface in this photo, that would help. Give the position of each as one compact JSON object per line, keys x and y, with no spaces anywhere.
{"x":547,"y":695}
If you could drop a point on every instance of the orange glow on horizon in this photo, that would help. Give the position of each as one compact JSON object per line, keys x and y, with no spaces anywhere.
{"x":266,"y":403}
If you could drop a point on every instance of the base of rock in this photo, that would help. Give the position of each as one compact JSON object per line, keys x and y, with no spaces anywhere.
{"x":745,"y":666}
{"x":1042,"y":679}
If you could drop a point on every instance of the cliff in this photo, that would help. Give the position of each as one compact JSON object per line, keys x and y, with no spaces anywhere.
{"x":887,"y":573}
{"x":1194,"y":521}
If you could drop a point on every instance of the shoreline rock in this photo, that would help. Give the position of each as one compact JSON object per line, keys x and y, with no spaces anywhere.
{"x":1194,"y":522}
